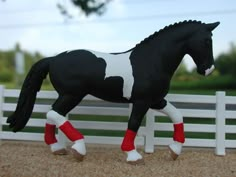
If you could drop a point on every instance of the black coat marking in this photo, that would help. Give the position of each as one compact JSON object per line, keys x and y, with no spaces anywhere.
{"x":154,"y":61}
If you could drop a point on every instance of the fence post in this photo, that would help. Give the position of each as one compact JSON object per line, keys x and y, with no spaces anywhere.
{"x":149,"y":138}
{"x":220,"y":123}
{"x":1,"y":109}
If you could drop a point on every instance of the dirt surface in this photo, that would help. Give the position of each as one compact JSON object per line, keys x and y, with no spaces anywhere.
{"x":31,"y":159}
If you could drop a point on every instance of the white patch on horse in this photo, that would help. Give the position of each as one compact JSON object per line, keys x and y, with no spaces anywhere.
{"x":119,"y":65}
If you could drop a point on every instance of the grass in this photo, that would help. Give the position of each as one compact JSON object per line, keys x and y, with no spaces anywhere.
{"x":229,"y":92}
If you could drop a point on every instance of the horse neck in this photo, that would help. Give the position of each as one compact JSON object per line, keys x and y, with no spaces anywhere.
{"x":173,"y":48}
{"x":171,"y":56}
{"x":165,"y":52}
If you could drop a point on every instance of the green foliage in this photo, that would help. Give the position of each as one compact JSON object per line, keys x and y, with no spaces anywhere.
{"x":7,"y":59}
{"x":192,"y":81}
{"x":184,"y":81}
{"x":226,"y":62}
{"x":6,"y":76}
{"x":206,"y":83}
{"x":181,"y":72}
{"x":7,"y":65}
{"x":91,"y":6}
{"x":88,"y":7}
{"x":223,"y":78}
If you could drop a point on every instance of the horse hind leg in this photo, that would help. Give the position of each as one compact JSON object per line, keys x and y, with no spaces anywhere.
{"x":50,"y":139}
{"x":60,"y":108}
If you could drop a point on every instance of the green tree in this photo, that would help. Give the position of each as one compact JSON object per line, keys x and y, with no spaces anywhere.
{"x":88,"y":7}
{"x":226,"y":62}
{"x":181,"y":73}
{"x":7,"y":63}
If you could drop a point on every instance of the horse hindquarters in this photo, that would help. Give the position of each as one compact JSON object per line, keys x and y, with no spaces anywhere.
{"x":76,"y":72}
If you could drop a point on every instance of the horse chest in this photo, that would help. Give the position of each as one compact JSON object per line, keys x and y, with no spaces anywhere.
{"x":150,"y":90}
{"x":118,"y":66}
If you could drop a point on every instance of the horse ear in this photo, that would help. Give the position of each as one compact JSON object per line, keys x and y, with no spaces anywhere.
{"x":212,"y":26}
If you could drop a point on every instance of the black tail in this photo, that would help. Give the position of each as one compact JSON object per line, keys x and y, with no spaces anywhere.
{"x":31,"y":86}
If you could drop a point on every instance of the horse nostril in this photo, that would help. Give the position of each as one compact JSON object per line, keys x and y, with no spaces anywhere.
{"x":209,"y":70}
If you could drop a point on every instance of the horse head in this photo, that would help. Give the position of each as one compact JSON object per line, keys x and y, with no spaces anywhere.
{"x":199,"y":47}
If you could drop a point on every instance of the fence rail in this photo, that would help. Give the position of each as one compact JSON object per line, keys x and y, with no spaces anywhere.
{"x":148,"y":132}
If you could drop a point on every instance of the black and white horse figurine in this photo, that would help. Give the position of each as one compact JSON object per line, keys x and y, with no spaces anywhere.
{"x":140,"y":76}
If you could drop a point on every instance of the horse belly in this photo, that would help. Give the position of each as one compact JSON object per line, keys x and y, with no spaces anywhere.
{"x":110,"y":89}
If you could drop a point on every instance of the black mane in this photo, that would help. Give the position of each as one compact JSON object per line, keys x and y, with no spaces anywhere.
{"x":157,"y":33}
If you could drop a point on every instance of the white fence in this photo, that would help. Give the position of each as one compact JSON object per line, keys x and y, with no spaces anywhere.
{"x":211,"y":117}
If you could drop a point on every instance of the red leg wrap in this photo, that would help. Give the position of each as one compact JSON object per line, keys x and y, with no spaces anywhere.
{"x":179,"y":133}
{"x":128,"y":141}
{"x":49,"y":134}
{"x":70,"y":131}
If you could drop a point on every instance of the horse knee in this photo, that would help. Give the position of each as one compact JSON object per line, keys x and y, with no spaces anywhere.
{"x":178,"y":117}
{"x":174,"y":114}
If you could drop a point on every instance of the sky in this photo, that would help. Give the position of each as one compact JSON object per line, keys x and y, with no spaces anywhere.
{"x":39,"y":26}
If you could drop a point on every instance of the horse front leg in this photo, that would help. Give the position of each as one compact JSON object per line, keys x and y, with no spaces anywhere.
{"x":128,"y":146}
{"x":178,"y":137}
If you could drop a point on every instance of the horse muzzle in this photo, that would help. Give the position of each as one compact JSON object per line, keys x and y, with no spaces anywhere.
{"x":209,"y":70}
{"x":205,"y":72}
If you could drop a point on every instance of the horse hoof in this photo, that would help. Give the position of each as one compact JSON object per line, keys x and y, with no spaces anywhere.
{"x":173,"y":155}
{"x":60,"y":152}
{"x":137,"y":162}
{"x":77,"y":155}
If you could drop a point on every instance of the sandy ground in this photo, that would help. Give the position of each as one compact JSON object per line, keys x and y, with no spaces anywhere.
{"x":33,"y":159}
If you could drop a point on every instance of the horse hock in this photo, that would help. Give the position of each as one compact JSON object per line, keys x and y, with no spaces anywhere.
{"x":78,"y":149}
{"x":50,"y":139}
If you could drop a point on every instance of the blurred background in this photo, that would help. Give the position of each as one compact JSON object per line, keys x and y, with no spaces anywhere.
{"x":31,"y":30}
